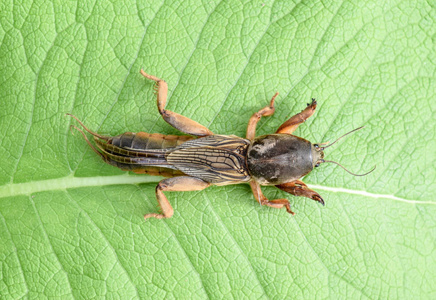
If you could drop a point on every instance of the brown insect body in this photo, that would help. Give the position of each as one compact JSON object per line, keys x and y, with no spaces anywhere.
{"x":191,"y":163}
{"x":218,"y":159}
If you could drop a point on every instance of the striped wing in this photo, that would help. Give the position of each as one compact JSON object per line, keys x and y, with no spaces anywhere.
{"x":218,"y":159}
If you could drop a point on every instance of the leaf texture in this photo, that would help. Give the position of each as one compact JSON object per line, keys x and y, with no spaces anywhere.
{"x":73,"y":227}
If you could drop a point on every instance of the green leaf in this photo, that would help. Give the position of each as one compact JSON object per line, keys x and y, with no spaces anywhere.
{"x":72,"y":226}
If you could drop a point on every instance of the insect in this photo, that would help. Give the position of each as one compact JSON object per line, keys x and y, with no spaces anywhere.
{"x":200,"y":159}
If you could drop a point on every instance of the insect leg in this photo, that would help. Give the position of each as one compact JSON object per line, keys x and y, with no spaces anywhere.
{"x":299,"y":188}
{"x":266,"y":111}
{"x":176,"y":120}
{"x":290,"y":125}
{"x":277,"y":203}
{"x":175,"y":184}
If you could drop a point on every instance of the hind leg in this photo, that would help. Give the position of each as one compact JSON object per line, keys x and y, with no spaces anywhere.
{"x":176,"y":120}
{"x":175,"y":184}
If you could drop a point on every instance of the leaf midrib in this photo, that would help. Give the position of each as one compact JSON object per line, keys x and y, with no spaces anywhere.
{"x":70,"y":181}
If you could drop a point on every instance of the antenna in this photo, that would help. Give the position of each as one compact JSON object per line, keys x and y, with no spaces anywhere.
{"x":330,"y":161}
{"x":322,"y":148}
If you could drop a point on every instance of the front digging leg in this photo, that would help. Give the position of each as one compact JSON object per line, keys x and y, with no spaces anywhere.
{"x":176,"y":120}
{"x":175,"y":184}
{"x":277,"y":203}
{"x":299,"y":188}
{"x":290,"y":125}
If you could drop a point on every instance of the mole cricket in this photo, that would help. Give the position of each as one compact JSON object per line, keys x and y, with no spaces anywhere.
{"x":195,"y":161}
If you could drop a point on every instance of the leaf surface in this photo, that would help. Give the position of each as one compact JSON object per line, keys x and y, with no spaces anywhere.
{"x":73,"y":227}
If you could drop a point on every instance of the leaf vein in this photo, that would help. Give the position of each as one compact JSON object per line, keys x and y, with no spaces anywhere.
{"x":16,"y":253}
{"x":239,"y":247}
{"x":44,"y":232}
{"x":181,"y":247}
{"x":114,"y":252}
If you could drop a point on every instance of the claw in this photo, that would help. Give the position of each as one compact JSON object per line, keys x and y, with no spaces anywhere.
{"x":319,"y":199}
{"x":312,"y":103}
{"x":290,"y":211}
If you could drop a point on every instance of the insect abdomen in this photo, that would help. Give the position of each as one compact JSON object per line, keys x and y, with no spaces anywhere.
{"x":142,"y":153}
{"x":148,"y":141}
